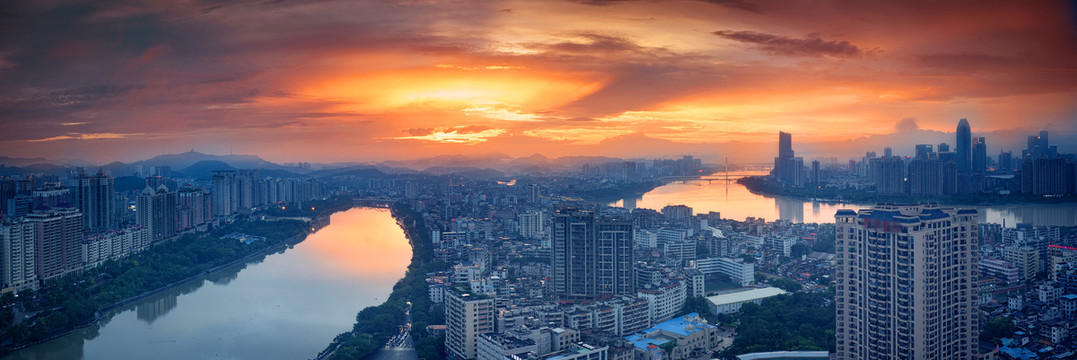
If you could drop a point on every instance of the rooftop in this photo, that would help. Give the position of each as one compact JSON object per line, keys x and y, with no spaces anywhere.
{"x":776,"y":355}
{"x":742,"y":296}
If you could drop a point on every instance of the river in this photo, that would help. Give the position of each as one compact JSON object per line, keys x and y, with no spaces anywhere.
{"x":734,"y":201}
{"x":289,"y":305}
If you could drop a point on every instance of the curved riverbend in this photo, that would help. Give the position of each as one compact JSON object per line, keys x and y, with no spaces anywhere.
{"x":286,"y":306}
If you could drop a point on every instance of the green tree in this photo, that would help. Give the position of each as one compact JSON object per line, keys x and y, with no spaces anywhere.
{"x":996,"y":329}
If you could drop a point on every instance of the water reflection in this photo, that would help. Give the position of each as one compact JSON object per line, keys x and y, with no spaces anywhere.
{"x":734,"y":201}
{"x":276,"y":307}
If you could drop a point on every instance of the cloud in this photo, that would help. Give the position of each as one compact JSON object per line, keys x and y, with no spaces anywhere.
{"x":736,"y":4}
{"x":783,"y":45}
{"x":419,"y":131}
{"x":906,"y":125}
{"x":88,"y":136}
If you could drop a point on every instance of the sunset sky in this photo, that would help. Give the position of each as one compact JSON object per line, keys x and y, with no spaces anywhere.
{"x":378,"y":80}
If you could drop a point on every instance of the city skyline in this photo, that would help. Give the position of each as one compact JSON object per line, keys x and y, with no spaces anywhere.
{"x":390,"y":81}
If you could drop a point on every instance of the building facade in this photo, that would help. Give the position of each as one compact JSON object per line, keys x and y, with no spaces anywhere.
{"x":466,"y":317}
{"x":592,"y":257}
{"x":906,"y":278}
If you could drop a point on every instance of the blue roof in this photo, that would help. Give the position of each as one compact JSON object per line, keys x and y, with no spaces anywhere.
{"x":933,"y":214}
{"x":1019,"y":353}
{"x":845,"y":212}
{"x":641,"y":343}
{"x":680,"y":326}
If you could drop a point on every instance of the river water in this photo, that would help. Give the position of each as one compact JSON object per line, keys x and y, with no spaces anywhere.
{"x":734,"y":201}
{"x":288,"y":305}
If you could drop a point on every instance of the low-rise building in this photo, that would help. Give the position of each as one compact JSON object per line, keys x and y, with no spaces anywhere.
{"x":665,"y":300}
{"x":693,"y":337}
{"x":731,"y":302}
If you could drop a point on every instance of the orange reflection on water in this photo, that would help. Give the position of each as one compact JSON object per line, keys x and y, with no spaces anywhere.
{"x":360,"y":241}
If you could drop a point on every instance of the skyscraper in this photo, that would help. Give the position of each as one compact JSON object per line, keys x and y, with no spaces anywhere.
{"x":785,"y":145}
{"x":57,"y":241}
{"x":224,"y":188}
{"x":979,"y":154}
{"x":591,"y":257}
{"x":906,"y":278}
{"x":923,"y":151}
{"x":93,"y":196}
{"x":964,"y":147}
{"x":157,"y":212}
{"x":788,"y":170}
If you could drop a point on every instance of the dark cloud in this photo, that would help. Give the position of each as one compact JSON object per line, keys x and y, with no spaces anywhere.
{"x":783,"y":45}
{"x":736,"y":4}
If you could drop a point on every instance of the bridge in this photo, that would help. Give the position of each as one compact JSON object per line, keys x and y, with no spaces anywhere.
{"x":708,"y":178}
{"x":378,"y":201}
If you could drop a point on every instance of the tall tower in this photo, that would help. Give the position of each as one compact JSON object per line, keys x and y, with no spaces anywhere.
{"x":224,"y":192}
{"x":906,"y":283}
{"x":157,"y":212}
{"x":785,"y":145}
{"x":591,"y":257}
{"x":94,"y":198}
{"x":979,"y":154}
{"x":964,"y":147}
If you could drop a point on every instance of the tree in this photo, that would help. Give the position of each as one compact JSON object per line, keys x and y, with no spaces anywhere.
{"x":798,"y":250}
{"x":996,"y":329}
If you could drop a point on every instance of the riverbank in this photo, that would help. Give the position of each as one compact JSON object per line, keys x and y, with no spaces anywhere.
{"x":616,"y":192}
{"x":86,"y":298}
{"x":375,"y":324}
{"x":760,"y":186}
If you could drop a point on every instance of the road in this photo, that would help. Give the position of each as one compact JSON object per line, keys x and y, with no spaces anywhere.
{"x":400,"y":346}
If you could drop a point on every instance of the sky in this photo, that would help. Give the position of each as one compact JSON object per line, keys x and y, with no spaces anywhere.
{"x":387,"y":80}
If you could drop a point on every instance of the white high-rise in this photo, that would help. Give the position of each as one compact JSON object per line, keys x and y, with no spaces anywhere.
{"x":906,"y":283}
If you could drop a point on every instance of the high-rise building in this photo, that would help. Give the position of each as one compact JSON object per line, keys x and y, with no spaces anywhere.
{"x":927,"y":177}
{"x":17,"y":256}
{"x":591,"y":257}
{"x":1039,"y":147}
{"x":1047,"y":176}
{"x":156,"y":210}
{"x":923,"y":151}
{"x":193,"y":207}
{"x":906,"y":283}
{"x":944,"y":147}
{"x":964,"y":147}
{"x":788,"y":170}
{"x":234,"y":191}
{"x":979,"y":154}
{"x":888,"y":173}
{"x":467,"y":315}
{"x":815,"y":176}
{"x":532,"y":224}
{"x":93,"y":195}
{"x":57,"y":241}
{"x":1005,"y":161}
{"x":785,"y":145}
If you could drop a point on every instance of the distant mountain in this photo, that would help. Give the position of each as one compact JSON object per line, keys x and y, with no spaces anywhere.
{"x":204,"y":169}
{"x":362,"y":171}
{"x":187,"y":159}
{"x":468,"y":172}
{"x":10,"y":161}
